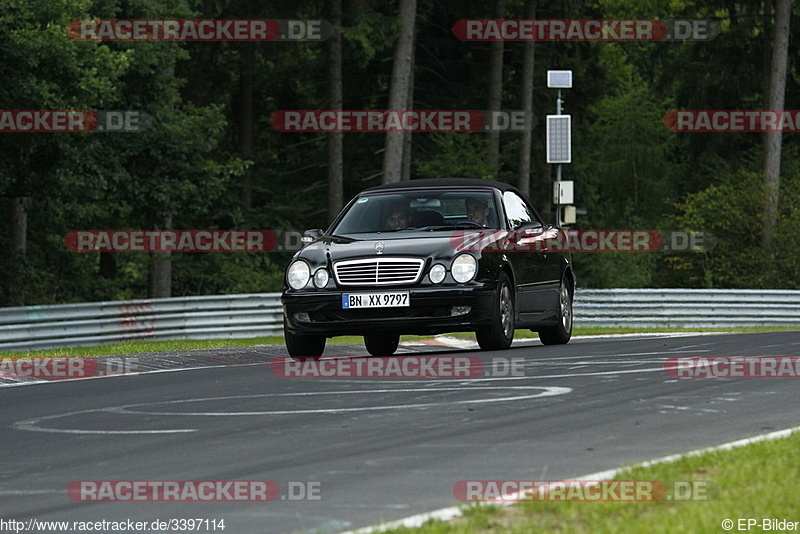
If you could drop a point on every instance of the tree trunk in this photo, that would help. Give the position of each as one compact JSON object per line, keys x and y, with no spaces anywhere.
{"x":775,"y":101}
{"x":495,"y":85}
{"x":246,"y":123}
{"x":159,"y":269}
{"x":405,"y":175}
{"x":528,"y":49}
{"x":766,"y":53}
{"x":19,"y":225}
{"x":159,"y":273}
{"x":398,"y":93}
{"x":335,"y":139}
{"x":18,"y":233}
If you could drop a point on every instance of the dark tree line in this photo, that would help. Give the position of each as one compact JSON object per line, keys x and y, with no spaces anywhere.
{"x":211,"y":160}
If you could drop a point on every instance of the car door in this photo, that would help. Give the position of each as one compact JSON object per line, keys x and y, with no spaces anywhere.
{"x":536,"y":271}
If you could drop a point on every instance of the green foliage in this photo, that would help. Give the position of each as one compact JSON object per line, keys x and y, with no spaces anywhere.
{"x":191,"y":165}
{"x":212,"y":274}
{"x":731,"y":210}
{"x":456,"y":155}
{"x":629,"y":174}
{"x":616,"y":269}
{"x":368,"y":33}
{"x":633,"y":166}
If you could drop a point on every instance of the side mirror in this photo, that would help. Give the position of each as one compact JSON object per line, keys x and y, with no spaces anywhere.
{"x":310,"y":235}
{"x":530,"y":227}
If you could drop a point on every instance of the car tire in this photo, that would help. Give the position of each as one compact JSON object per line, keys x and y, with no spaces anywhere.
{"x":562,"y":332}
{"x":303,"y":347}
{"x":500,"y":334}
{"x":381,"y":344}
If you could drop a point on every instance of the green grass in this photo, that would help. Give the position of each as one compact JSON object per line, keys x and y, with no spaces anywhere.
{"x":134,"y":347}
{"x":756,"y":481}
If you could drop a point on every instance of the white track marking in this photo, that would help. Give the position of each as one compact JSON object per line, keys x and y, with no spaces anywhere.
{"x":576,"y":375}
{"x":33,"y":425}
{"x":651,"y":335}
{"x":34,"y":382}
{"x":461,"y":343}
{"x":548,"y":392}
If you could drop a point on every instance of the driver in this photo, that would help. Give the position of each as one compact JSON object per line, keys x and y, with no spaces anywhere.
{"x":398,"y":217}
{"x":477,"y":211}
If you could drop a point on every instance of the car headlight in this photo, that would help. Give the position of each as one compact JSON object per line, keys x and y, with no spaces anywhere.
{"x":437,"y":273}
{"x":464,"y":268}
{"x":321,"y":277}
{"x":298,"y":274}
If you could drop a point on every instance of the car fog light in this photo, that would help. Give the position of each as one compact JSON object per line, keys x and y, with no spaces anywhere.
{"x":437,"y":273}
{"x":460,"y":310}
{"x":302,"y":316}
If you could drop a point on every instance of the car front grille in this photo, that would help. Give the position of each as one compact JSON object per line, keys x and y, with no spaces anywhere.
{"x":378,"y":271}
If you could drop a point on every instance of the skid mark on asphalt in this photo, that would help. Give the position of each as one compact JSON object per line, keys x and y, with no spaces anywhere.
{"x":669,"y":408}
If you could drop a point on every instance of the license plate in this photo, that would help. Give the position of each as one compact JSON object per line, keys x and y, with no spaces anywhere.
{"x":396,"y":299}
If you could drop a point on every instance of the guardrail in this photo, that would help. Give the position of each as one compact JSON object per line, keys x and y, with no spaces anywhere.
{"x":97,"y":323}
{"x":254,"y":315}
{"x":687,"y":308}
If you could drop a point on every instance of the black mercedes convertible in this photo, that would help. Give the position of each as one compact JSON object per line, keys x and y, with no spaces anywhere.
{"x":429,"y":257}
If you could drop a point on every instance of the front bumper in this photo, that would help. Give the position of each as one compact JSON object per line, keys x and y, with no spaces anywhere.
{"x":321,"y":313}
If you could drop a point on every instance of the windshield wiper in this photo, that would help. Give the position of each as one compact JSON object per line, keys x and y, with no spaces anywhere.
{"x":456,"y":226}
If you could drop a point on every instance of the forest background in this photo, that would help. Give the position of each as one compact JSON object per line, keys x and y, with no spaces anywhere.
{"x":210,"y":159}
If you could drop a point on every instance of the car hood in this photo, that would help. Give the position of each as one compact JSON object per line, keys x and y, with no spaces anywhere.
{"x":440,"y":245}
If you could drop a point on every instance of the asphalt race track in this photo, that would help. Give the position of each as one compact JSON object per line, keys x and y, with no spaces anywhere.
{"x":378,"y":449}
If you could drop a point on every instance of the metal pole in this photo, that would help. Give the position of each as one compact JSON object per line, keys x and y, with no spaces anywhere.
{"x":558,"y":166}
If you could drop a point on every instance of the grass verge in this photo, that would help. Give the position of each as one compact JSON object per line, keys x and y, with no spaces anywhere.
{"x":136,"y":347}
{"x":756,"y":481}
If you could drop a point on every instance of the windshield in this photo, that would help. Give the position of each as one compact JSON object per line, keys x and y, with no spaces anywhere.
{"x":419,"y":210}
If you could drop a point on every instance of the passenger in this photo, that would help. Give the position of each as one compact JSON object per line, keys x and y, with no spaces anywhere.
{"x":477,"y":211}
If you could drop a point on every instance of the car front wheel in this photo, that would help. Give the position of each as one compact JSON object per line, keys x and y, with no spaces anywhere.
{"x":561,"y":332}
{"x":381,"y":345}
{"x":302,"y":347}
{"x":500,"y":334}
